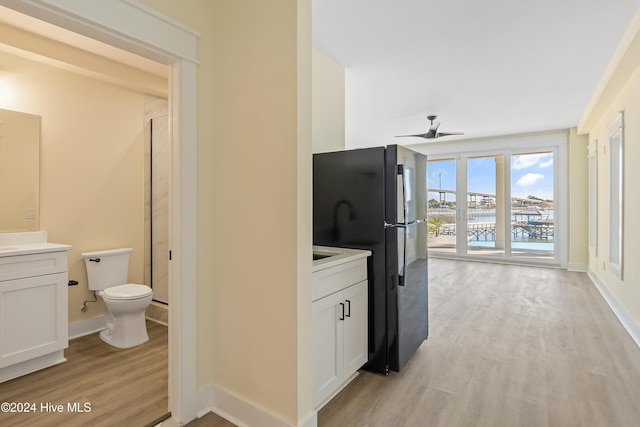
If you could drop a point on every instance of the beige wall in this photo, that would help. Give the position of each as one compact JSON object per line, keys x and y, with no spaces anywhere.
{"x":578,"y":254}
{"x":91,"y":164}
{"x":253,"y":199}
{"x":626,"y":292}
{"x":619,"y":90}
{"x":328,"y":103}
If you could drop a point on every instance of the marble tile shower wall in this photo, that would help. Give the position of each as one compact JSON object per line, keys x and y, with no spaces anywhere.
{"x":157,"y":173}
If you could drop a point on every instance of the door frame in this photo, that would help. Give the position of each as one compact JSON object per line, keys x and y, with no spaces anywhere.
{"x":556,"y":142}
{"x":150,"y":34}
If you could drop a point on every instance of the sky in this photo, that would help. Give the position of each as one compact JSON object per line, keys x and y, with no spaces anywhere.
{"x":531,"y":174}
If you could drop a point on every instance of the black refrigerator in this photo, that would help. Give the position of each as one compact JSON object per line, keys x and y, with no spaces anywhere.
{"x":376,"y":199}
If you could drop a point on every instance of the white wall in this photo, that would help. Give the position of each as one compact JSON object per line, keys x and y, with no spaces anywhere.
{"x":327,"y":103}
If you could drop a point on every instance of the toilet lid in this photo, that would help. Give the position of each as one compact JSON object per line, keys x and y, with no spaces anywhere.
{"x":128,"y":291}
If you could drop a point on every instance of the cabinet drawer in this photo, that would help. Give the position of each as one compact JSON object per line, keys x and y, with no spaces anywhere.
{"x":330,"y":280}
{"x":20,"y":266}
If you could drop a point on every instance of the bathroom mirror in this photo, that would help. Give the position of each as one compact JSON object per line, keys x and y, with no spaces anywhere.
{"x":19,"y":171}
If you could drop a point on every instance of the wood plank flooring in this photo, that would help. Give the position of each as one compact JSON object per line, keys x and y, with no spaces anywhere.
{"x":508,"y":346}
{"x":123,"y":387}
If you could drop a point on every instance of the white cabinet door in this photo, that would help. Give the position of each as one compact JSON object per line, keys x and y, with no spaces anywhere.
{"x":33,"y":317}
{"x":355,"y":328}
{"x":339,"y":339}
{"x":327,"y":346}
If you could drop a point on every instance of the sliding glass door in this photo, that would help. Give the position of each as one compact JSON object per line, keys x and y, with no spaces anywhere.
{"x":442,"y":205}
{"x":532,"y":206}
{"x":485,"y":206}
{"x":494,"y":206}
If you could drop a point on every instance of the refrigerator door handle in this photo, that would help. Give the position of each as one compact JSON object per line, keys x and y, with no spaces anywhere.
{"x":402,"y":273}
{"x":404,"y":224}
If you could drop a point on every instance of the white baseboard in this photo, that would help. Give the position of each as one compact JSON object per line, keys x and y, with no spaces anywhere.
{"x":243,"y":413}
{"x":627,"y":321}
{"x":86,"y":327}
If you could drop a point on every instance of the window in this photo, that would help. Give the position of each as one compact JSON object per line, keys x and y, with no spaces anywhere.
{"x":616,"y":186}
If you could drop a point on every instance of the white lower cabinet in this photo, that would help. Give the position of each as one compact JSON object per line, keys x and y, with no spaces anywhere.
{"x":340,"y":328}
{"x":33,"y":312}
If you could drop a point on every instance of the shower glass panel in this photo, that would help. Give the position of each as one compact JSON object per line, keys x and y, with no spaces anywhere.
{"x":159,"y":209}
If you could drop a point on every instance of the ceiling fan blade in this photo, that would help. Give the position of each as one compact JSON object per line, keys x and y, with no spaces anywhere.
{"x":448,"y":134}
{"x":422,"y":135}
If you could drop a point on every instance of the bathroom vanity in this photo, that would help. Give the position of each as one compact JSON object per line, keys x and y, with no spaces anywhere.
{"x":340,"y":319}
{"x":33,"y":303}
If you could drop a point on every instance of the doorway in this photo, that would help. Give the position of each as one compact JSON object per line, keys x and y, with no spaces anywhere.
{"x":149,"y":34}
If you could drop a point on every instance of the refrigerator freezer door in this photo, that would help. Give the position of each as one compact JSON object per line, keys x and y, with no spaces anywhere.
{"x":408,"y":302}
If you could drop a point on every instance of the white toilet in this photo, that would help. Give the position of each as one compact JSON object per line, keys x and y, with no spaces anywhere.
{"x":126,"y":303}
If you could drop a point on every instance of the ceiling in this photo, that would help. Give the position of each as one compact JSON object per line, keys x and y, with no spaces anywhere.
{"x":496,"y":67}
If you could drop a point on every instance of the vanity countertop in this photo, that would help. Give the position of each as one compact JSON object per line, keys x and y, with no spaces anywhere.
{"x":31,"y":248}
{"x":336,"y":256}
{"x":32,"y":242}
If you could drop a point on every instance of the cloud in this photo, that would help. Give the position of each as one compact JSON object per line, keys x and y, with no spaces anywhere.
{"x":524,"y":161}
{"x":547,"y":163}
{"x":529,"y":179}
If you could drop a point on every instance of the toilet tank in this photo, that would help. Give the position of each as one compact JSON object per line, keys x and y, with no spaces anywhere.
{"x":107,"y":268}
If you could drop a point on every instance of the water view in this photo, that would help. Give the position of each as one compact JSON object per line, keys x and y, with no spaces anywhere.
{"x":530,"y":229}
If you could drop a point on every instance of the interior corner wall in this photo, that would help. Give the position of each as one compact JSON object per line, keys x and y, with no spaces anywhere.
{"x":254,"y":221}
{"x":578,"y":256}
{"x":626,"y":292}
{"x":328,"y":108}
{"x":91,"y":165}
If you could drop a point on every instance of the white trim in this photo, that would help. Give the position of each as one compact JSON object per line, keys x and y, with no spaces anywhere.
{"x":241,"y":412}
{"x":625,"y":318}
{"x":86,"y":327}
{"x":142,"y":33}
{"x":508,"y":146}
{"x":158,"y":38}
{"x":616,"y":198}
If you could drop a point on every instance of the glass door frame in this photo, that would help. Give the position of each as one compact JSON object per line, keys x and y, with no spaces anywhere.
{"x":556,"y":143}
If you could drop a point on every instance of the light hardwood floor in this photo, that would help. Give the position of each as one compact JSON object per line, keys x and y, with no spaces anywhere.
{"x":123,"y":387}
{"x":508,"y":346}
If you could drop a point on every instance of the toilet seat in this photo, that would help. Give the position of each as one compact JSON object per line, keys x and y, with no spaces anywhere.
{"x":127,"y":292}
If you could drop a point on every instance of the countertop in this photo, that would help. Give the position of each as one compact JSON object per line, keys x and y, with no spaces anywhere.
{"x":336,"y":256}
{"x":32,"y":248}
{"x":26,"y":243}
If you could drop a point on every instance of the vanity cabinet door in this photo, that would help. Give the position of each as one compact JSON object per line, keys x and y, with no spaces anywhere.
{"x":33,"y":317}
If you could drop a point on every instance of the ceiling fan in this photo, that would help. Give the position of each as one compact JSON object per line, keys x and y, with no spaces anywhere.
{"x":432,"y":133}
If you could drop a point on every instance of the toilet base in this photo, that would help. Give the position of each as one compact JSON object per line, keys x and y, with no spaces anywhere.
{"x":130,"y":332}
